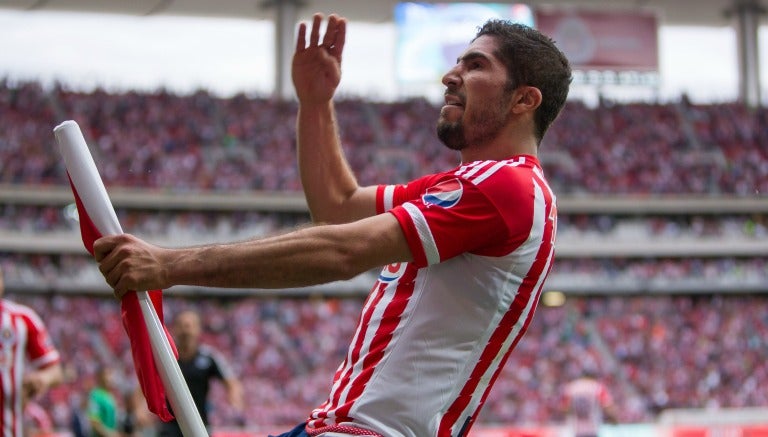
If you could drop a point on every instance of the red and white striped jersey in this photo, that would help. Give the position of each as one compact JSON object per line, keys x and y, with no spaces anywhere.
{"x":434,"y":333}
{"x":24,"y":341}
{"x":586,"y":398}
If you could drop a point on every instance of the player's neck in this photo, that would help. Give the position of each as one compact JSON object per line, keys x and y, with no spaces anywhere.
{"x":500,"y":150}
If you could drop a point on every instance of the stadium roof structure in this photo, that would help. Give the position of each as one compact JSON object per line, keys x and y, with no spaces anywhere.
{"x":673,"y":12}
{"x":744,"y":15}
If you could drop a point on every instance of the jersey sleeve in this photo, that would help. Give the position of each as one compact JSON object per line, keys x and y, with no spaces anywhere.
{"x":40,"y":349}
{"x":443,"y":218}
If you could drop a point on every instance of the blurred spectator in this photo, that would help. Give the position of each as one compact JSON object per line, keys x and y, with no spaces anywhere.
{"x":102,"y":405}
{"x":200,"y":364}
{"x":587,"y":403}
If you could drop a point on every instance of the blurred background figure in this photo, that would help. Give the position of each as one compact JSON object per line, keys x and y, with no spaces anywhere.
{"x":136,"y":420}
{"x":200,"y":364}
{"x":588,"y":403}
{"x":37,"y":421}
{"x":29,"y":361}
{"x":102,"y":405}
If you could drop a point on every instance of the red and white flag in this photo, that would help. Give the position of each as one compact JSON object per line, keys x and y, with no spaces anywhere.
{"x":97,"y":218}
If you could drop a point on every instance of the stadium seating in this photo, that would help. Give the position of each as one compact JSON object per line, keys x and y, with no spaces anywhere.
{"x":661,"y":330}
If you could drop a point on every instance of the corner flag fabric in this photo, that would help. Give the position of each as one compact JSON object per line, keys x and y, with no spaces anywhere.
{"x":86,"y":182}
{"x":133,"y":322}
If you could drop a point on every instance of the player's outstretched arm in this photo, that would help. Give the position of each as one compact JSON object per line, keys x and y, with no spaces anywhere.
{"x":308,"y":256}
{"x":332,"y":192}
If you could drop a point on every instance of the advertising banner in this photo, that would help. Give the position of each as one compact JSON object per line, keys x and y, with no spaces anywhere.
{"x":597,"y":40}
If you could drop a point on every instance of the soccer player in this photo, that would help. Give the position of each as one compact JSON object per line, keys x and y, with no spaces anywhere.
{"x":587,"y":403}
{"x":29,"y":361}
{"x":465,"y":252}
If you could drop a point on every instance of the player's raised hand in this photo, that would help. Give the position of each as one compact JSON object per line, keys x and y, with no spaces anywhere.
{"x":316,"y":68}
{"x":130,"y":264}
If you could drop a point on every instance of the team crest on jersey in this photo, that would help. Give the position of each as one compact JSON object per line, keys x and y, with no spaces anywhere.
{"x":7,"y":337}
{"x":445,"y":194}
{"x":392,"y":272}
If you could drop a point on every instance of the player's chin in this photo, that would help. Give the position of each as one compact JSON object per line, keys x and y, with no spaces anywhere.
{"x":451,"y":113}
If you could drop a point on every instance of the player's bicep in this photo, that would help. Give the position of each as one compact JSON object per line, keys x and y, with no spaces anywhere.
{"x":357,"y":205}
{"x":362,"y":203}
{"x":378,"y":240}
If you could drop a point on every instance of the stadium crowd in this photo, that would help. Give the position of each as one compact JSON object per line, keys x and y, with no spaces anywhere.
{"x":655,"y":352}
{"x":201,"y":142}
{"x":153,"y":223}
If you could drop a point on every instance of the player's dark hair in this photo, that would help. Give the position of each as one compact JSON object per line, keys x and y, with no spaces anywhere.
{"x":532,"y":59}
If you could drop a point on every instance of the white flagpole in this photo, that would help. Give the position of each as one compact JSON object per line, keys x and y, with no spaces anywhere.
{"x":85,"y":177}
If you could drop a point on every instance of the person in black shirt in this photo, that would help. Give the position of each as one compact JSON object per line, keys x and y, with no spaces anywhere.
{"x":200,"y":364}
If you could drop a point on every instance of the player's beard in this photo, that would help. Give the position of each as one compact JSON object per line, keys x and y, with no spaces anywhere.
{"x":481,"y":125}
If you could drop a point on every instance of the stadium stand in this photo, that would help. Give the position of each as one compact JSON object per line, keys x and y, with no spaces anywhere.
{"x":661,"y":326}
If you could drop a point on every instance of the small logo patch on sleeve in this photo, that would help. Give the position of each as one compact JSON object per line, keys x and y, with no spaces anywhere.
{"x":445,"y":194}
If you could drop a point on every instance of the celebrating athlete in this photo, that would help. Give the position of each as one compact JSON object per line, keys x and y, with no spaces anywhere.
{"x":464,"y":252}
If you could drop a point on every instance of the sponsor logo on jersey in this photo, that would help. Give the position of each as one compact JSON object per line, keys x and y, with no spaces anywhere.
{"x":392,"y":272}
{"x":445,"y":194}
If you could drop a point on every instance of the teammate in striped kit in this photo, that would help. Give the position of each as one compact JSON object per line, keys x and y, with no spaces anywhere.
{"x":465,"y":251}
{"x":29,"y":362}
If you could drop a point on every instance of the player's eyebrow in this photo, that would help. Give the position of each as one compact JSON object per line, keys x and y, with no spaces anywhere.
{"x":470,"y":56}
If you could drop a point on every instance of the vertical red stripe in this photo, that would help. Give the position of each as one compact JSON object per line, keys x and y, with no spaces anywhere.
{"x":503,"y":330}
{"x":381,"y":340}
{"x":548,"y":236}
{"x":390,"y":321}
{"x":498,"y":337}
{"x":344,"y":380}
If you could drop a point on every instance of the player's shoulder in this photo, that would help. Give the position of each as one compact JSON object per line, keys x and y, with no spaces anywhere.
{"x":20,"y":309}
{"x":491,"y":172}
{"x":511,"y":179}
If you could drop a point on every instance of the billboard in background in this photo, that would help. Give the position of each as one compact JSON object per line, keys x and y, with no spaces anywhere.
{"x":430,"y":36}
{"x":611,"y":40}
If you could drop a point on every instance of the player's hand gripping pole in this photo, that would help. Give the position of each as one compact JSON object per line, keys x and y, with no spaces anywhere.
{"x":90,"y":188}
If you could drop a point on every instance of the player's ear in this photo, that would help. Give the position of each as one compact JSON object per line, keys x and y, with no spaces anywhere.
{"x":526,"y":99}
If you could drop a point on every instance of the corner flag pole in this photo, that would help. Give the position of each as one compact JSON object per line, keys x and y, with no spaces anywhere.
{"x":90,"y":188}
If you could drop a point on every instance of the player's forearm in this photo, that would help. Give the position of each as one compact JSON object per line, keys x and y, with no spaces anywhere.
{"x":328,"y":181}
{"x":305,"y":257}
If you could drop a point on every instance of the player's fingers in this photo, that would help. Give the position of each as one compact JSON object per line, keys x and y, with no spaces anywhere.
{"x":114,"y":262}
{"x":110,"y":272}
{"x":106,"y":251}
{"x":301,"y":42}
{"x":340,"y":37}
{"x":330,"y":31}
{"x":314,"y":36}
{"x":103,"y":246}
